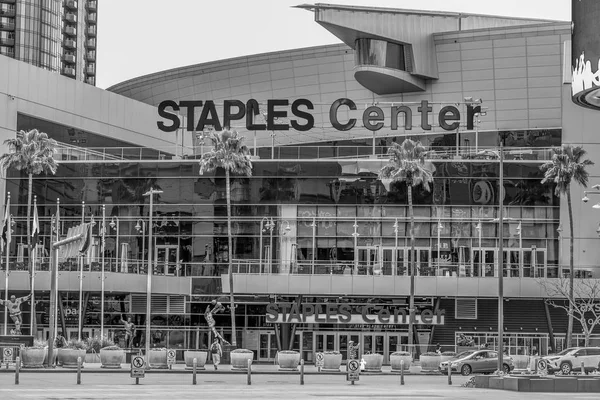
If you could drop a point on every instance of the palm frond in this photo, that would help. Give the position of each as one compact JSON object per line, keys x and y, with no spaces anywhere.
{"x":566,"y":166}
{"x":407,"y":164}
{"x":32,"y":152}
{"x":228,"y":153}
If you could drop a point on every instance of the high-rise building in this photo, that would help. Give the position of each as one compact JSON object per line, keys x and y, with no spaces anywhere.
{"x":52,"y":34}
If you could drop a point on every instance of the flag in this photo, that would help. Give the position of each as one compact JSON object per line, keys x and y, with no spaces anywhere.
{"x":35,"y":231}
{"x":88,"y":238}
{"x":6,"y":228}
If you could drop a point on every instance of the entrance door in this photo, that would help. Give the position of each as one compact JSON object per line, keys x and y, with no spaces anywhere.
{"x":512,"y":263}
{"x":324,"y":342}
{"x":423,"y":265}
{"x":167,"y":260}
{"x":368,"y":260}
{"x":267,"y":346}
{"x":374,"y":343}
{"x":344,"y":339}
{"x":489,"y":265}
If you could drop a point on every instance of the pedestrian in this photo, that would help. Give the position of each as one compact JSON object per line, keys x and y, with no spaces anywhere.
{"x":438,"y":349}
{"x":217,"y":352}
{"x":59,"y":342}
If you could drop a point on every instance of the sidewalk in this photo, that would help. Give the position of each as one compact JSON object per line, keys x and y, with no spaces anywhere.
{"x":260,"y":369}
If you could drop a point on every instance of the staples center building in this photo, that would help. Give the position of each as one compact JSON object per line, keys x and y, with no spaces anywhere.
{"x":320,"y":244}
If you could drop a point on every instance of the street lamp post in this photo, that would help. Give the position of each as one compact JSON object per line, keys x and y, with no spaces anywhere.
{"x":115,"y":225}
{"x":140,"y":226}
{"x":314,"y":243}
{"x":396,"y":228}
{"x":440,"y":227}
{"x":268,"y":226}
{"x":150,"y":193}
{"x":355,"y":235}
{"x":481,"y":264}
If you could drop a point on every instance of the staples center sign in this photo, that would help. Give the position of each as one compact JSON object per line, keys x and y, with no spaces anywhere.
{"x":299,"y":114}
{"x":347,"y":314}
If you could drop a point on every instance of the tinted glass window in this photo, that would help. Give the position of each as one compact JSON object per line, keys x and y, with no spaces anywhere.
{"x":593,"y":351}
{"x":581,"y":352}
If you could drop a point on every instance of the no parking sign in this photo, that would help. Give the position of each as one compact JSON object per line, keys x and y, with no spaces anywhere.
{"x":320,"y":360}
{"x":7,"y":356}
{"x":171,"y":357}
{"x":542,"y":366}
{"x":353,"y":370}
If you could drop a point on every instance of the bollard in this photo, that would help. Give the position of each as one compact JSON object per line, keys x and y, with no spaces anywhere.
{"x":249,"y":372}
{"x":401,"y":372}
{"x":583,"y":368}
{"x":449,"y":373}
{"x":302,"y":372}
{"x":17,"y":367}
{"x":194,"y":365}
{"x":79,"y":370}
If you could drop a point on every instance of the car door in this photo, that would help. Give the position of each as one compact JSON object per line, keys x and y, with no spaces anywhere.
{"x":593,"y":355}
{"x":578,"y":357}
{"x":479,"y":361}
{"x":491,"y":361}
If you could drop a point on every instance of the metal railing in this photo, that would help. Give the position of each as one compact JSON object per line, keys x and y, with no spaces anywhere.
{"x":466,"y":154}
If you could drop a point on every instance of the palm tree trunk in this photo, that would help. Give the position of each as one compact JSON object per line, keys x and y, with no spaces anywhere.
{"x":230,"y":258}
{"x":29,"y":253}
{"x":413,"y":270}
{"x":571,"y":270}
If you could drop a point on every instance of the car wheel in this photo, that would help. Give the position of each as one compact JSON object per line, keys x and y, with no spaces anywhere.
{"x":465,"y":370}
{"x":565,"y":368}
{"x":506,"y":369}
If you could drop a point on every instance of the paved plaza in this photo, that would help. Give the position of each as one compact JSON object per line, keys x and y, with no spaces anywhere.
{"x":225,"y":385}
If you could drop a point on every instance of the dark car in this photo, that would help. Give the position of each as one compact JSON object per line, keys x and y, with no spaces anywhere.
{"x":485,"y":361}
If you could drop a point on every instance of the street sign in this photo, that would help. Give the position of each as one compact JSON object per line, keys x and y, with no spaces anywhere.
{"x":171,"y":357}
{"x":7,"y":356}
{"x":542,"y":366}
{"x":353,"y":370}
{"x":320,"y":360}
{"x":137,"y":367}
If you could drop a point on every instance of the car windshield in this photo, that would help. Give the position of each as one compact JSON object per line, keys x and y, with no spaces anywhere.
{"x":465,"y":354}
{"x":566,"y":351}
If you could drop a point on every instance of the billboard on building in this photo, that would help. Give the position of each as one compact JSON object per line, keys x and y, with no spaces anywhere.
{"x":585,"y":53}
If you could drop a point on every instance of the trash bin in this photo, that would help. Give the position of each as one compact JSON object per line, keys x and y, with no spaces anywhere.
{"x":226,"y":359}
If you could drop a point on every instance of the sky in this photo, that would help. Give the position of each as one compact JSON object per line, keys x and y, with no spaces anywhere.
{"x":139,"y":37}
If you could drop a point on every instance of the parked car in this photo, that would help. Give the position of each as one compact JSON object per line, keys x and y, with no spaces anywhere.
{"x":570,"y":359}
{"x":485,"y":361}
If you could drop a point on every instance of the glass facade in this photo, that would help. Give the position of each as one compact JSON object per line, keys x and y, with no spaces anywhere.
{"x":380,"y":53}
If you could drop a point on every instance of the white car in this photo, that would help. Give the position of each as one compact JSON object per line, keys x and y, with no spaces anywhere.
{"x":570,"y":359}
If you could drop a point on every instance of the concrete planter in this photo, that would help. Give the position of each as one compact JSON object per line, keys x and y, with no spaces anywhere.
{"x":92,"y":358}
{"x":112,"y":358}
{"x":395,"y":361}
{"x":588,"y":385}
{"x":541,"y":385}
{"x":446,"y":358}
{"x":68,"y":357}
{"x":567,"y":384}
{"x":332,"y":361}
{"x":288,"y":360}
{"x":517,"y":383}
{"x":200,"y":357}
{"x":157,"y":359}
{"x":54,"y":355}
{"x":239,"y":361}
{"x":374,"y":362}
{"x":482,"y":381}
{"x":496,"y":382}
{"x":33,"y":358}
{"x":430,"y":363}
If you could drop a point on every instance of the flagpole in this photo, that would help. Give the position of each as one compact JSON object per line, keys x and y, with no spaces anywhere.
{"x":79,"y":326}
{"x":102,"y":272}
{"x":33,"y":258}
{"x":8,"y":227}
{"x":56,"y":275}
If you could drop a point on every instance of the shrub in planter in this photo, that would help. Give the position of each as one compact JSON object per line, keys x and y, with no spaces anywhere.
{"x":157,"y":358}
{"x":112,"y":357}
{"x":94,"y":344}
{"x":373,"y":362}
{"x":33,"y":356}
{"x":199,"y":355}
{"x":240,"y":357}
{"x":396,"y":359}
{"x":332,"y":360}
{"x":430,"y":361}
{"x":67,"y":356}
{"x":288,"y":360}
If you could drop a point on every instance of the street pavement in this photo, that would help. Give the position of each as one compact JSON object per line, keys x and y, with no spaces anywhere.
{"x":270,"y":384}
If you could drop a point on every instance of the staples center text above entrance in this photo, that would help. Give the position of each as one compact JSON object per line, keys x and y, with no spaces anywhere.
{"x":348,"y":314}
{"x":298,"y":113}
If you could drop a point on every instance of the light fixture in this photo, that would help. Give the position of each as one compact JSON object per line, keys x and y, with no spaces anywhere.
{"x":559,"y":229}
{"x":585,"y":199}
{"x":112,"y":223}
{"x":596,"y":206}
{"x":478,"y":226}
{"x":598,"y":230}
{"x":287,"y":228}
{"x":440,"y":226}
{"x":519,"y":228}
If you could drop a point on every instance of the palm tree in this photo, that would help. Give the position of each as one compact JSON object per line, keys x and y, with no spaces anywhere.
{"x":407,"y":164}
{"x":567,"y":165}
{"x":230,"y":154}
{"x":32,"y":152}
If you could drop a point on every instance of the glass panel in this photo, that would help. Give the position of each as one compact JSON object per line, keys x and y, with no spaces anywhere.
{"x":400,"y":266}
{"x":263,"y":345}
{"x":387,"y":261}
{"x":489,"y":263}
{"x":378,"y":345}
{"x":368,"y":344}
{"x":392,"y":345}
